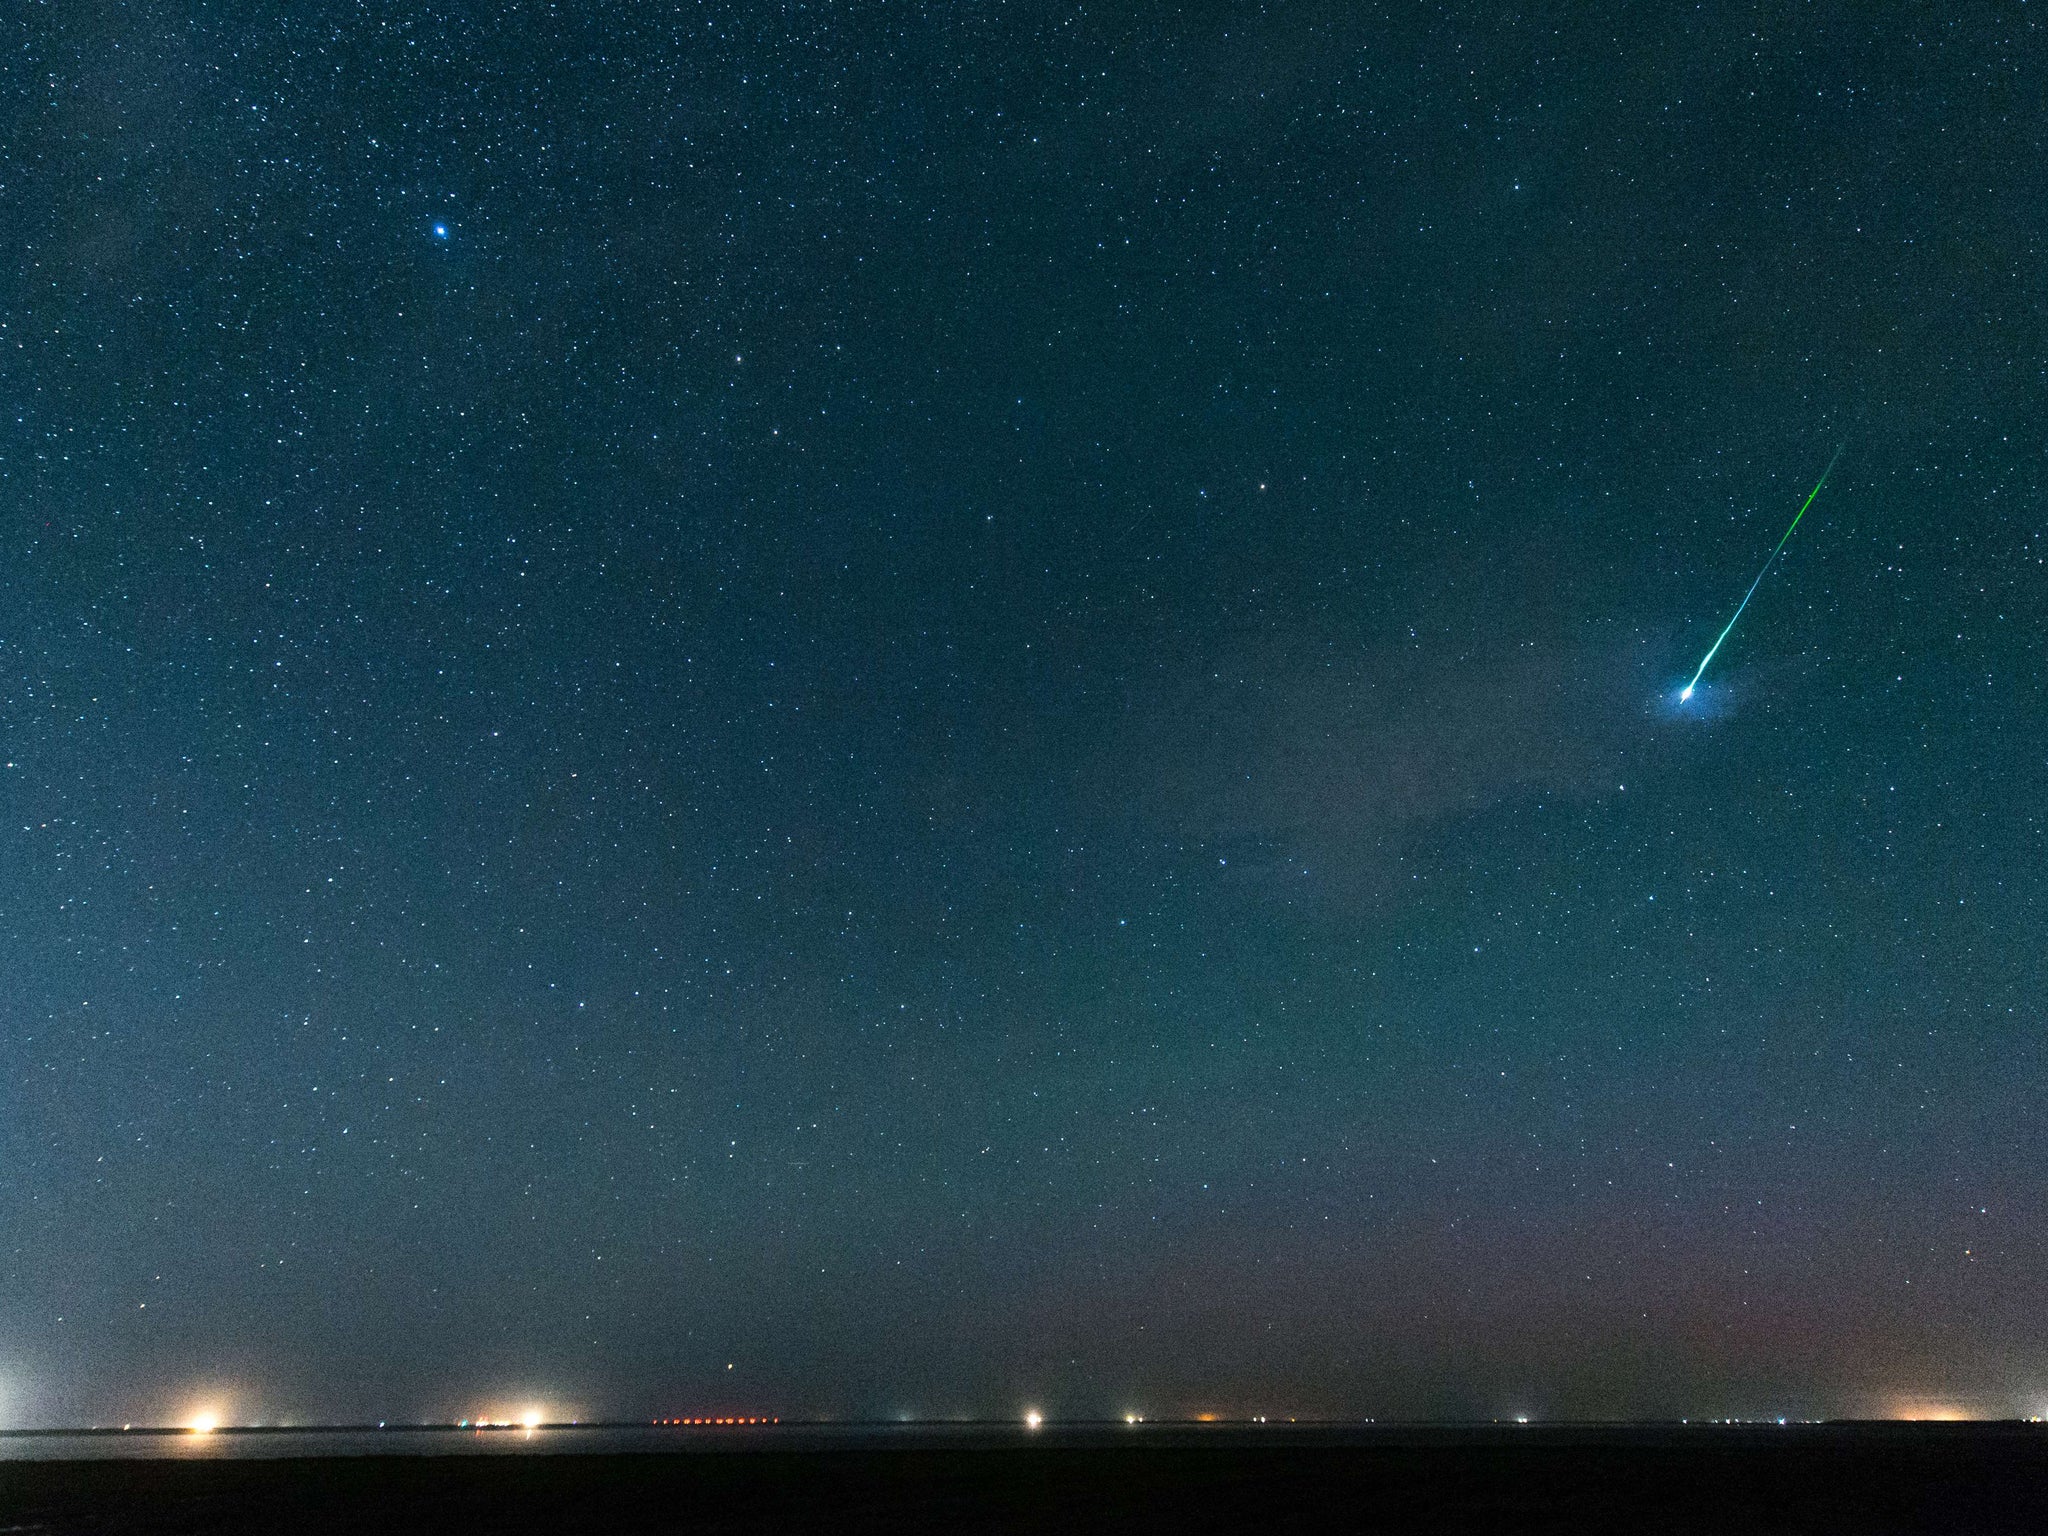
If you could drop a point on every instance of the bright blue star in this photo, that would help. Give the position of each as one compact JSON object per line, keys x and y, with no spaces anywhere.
{"x":440,"y":231}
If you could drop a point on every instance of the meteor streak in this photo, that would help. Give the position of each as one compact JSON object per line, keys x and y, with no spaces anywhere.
{"x":1686,"y":693}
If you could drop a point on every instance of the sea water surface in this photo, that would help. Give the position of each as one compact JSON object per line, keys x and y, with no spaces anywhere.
{"x":259,"y":1443}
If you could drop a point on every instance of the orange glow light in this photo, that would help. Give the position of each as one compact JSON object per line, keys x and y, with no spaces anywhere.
{"x":1930,"y":1411}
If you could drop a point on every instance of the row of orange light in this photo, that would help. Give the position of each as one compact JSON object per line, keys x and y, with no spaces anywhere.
{"x":718,"y":1421}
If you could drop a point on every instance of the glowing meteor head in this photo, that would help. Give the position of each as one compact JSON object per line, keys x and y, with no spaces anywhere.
{"x":1685,"y":692}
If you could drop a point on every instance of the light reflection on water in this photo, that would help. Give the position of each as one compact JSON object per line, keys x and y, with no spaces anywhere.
{"x":452,"y":1440}
{"x":603,"y":1439}
{"x":397,"y":1440}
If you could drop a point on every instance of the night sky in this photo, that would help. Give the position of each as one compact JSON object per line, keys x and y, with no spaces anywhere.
{"x":895,"y":709}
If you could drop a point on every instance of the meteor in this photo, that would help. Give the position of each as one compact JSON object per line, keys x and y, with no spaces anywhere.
{"x":1686,"y":692}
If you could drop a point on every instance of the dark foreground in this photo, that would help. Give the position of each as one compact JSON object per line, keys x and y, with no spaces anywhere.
{"x":1860,"y":1479}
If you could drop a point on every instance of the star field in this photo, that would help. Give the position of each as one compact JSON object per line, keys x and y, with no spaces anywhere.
{"x":972,"y":706}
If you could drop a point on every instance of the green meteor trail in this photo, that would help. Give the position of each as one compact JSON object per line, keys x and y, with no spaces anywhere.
{"x":1687,"y":692}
